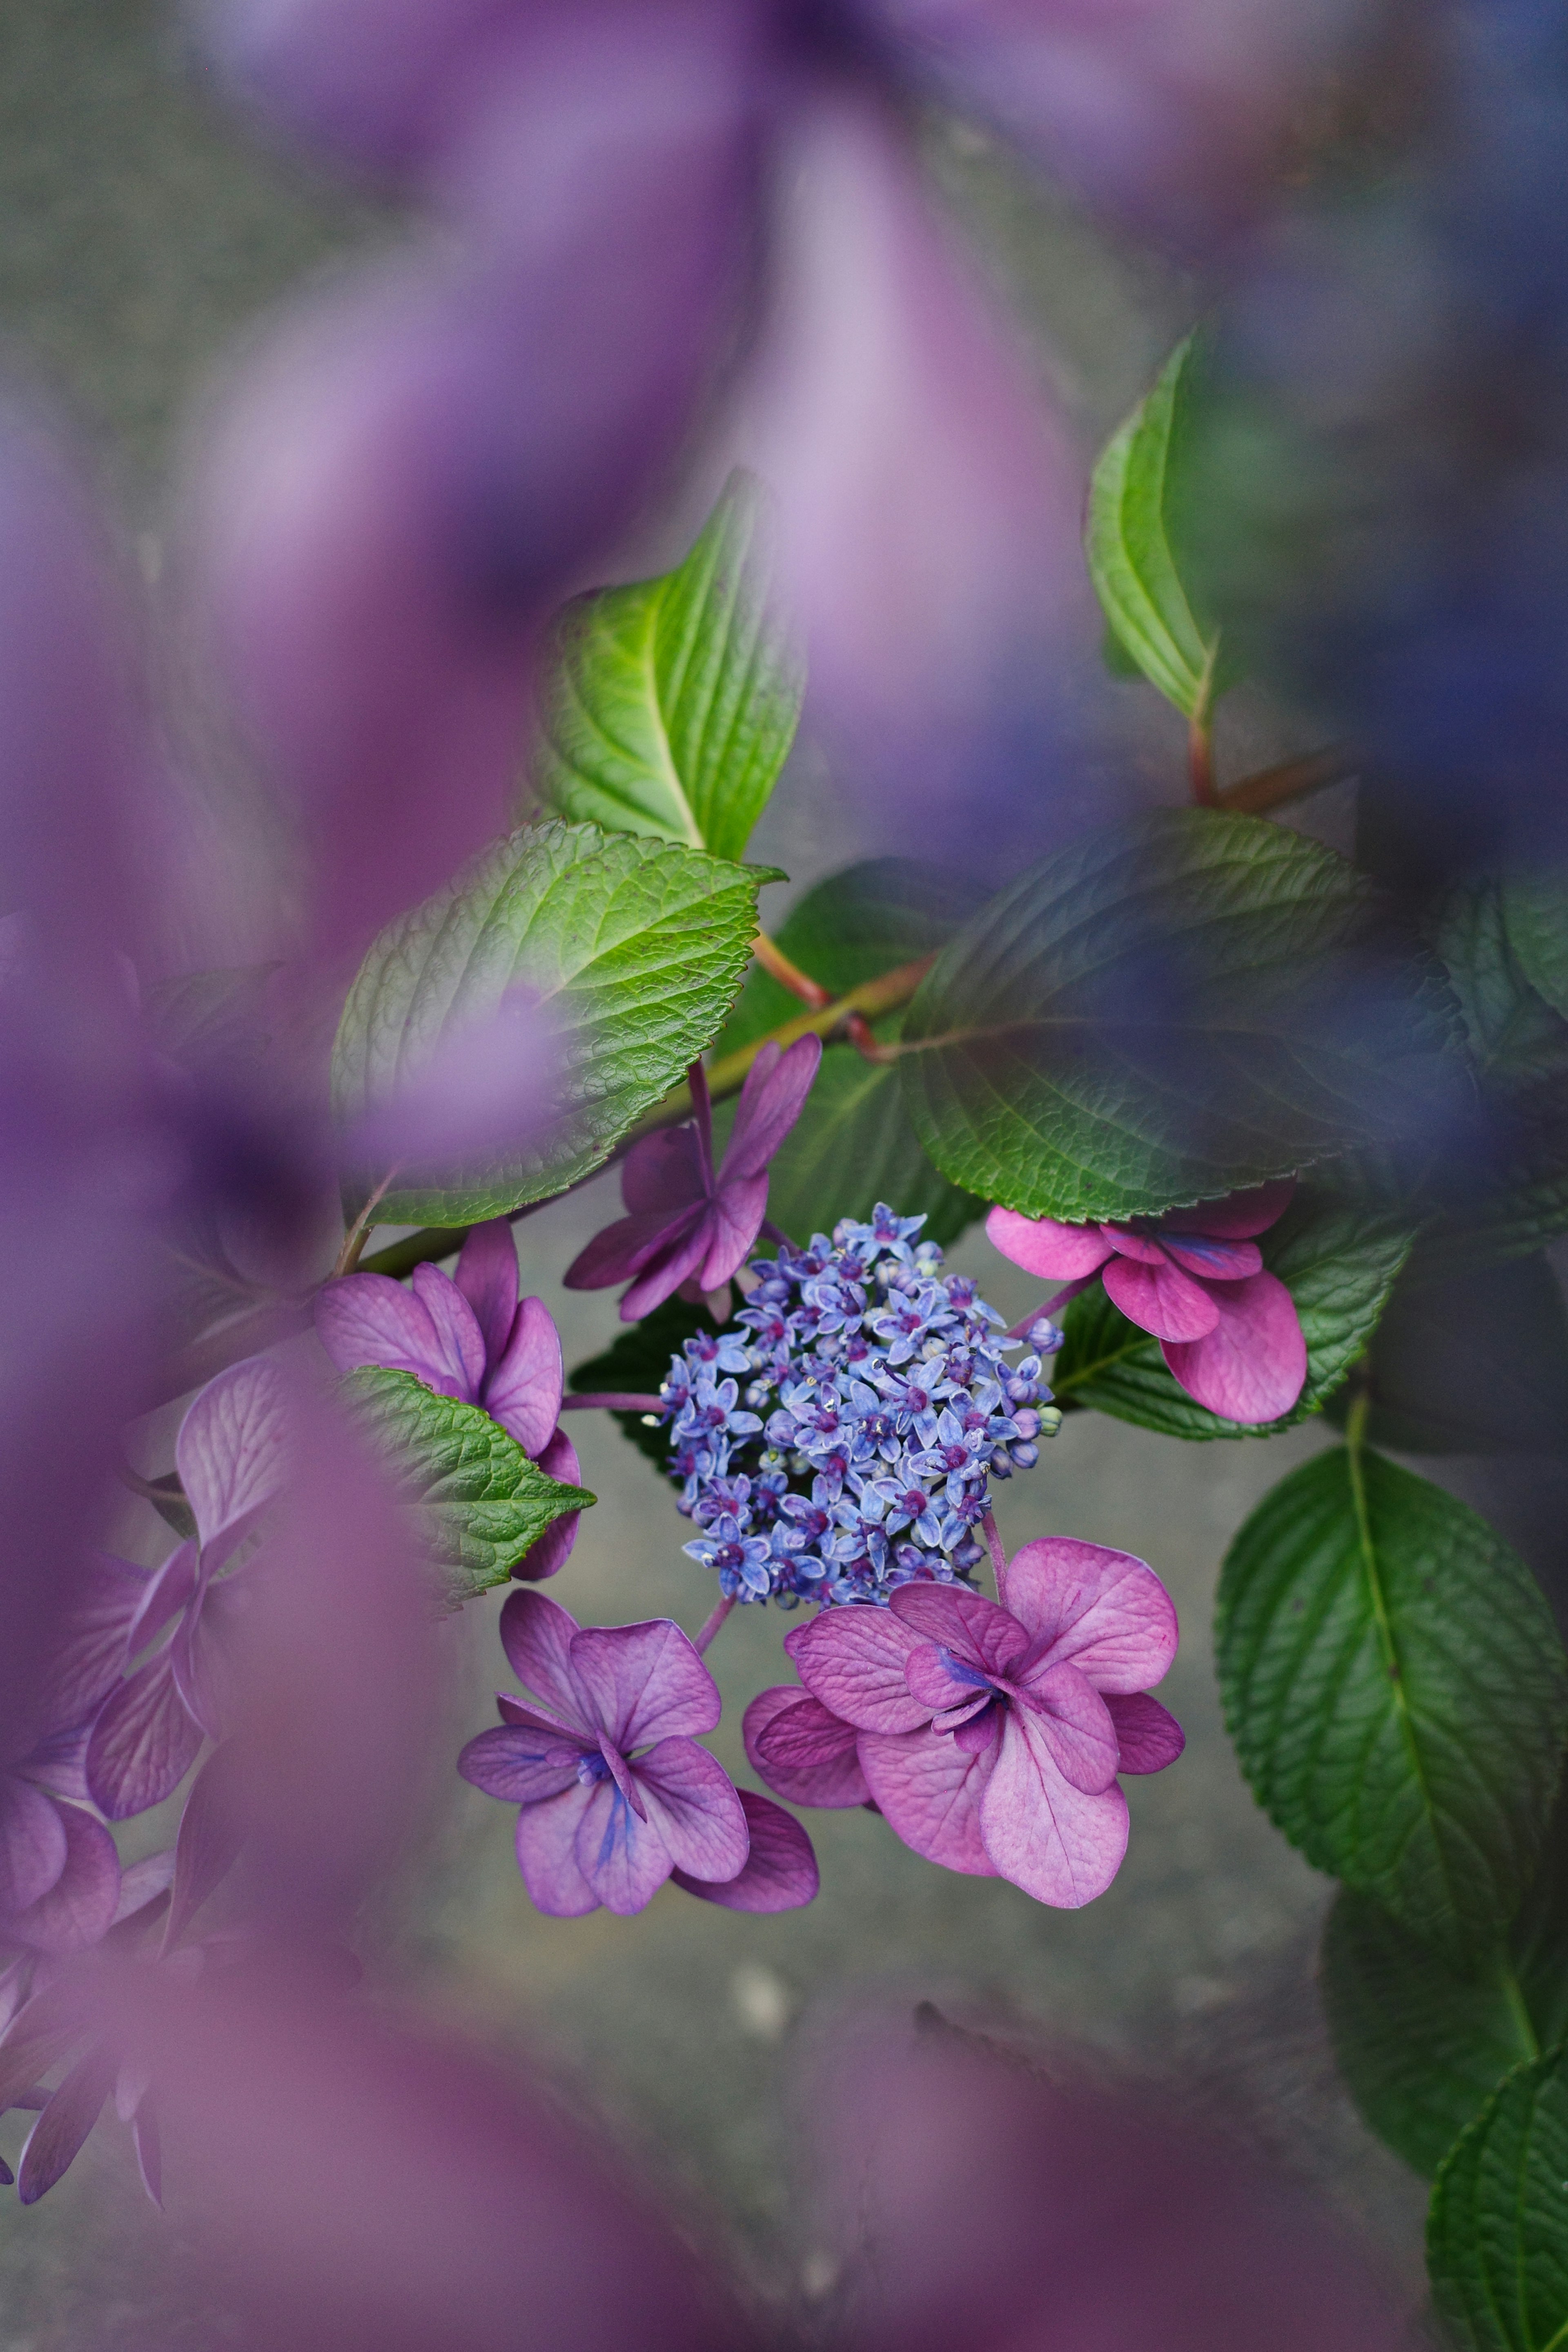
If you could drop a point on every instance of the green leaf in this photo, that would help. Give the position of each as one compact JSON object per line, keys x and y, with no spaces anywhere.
{"x":852,"y":1144}
{"x":1470,"y":1363}
{"x":1339,"y":1265}
{"x":1422,"y":2046}
{"x":1496,"y":2234}
{"x":1536,"y":910}
{"x":481,"y":1502}
{"x":632,"y":951}
{"x":1170,"y":1010}
{"x":1396,"y":1693}
{"x":1132,"y":541}
{"x":669,"y":706}
{"x":636,"y":1363}
{"x":1515,"y":1036}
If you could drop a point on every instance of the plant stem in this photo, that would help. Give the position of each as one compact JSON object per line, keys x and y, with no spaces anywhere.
{"x":359,"y":1232}
{"x":613,"y":1401}
{"x":857,"y":1029}
{"x":772,"y":959}
{"x":711,"y":1625}
{"x":725,"y":1077}
{"x":1200,"y":763}
{"x":1293,"y":780}
{"x":998,"y":1556}
{"x":1020,"y":1330}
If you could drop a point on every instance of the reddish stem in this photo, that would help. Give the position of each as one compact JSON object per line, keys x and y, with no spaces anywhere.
{"x":857,"y":1029}
{"x":1199,"y":764}
{"x":711,"y":1623}
{"x":772,"y":959}
{"x":1020,"y":1330}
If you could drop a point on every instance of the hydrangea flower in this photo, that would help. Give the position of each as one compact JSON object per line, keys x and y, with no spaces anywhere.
{"x":616,"y":1796}
{"x":232,"y":1456}
{"x":473,"y":1338}
{"x":688,"y":1221}
{"x":1227,"y":1328}
{"x":839,"y":1439}
{"x":989,"y":1734}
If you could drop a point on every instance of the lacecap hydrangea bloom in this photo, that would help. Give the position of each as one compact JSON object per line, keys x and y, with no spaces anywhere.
{"x":838,"y":1439}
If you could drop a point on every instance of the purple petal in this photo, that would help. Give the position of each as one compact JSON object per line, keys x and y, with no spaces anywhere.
{"x":621,"y":1774}
{"x":143,"y":1884}
{"x":665,"y":1273}
{"x":942,"y":1681}
{"x":558,"y":1461}
{"x":61,"y":2130}
{"x":38,"y":2035}
{"x":232,"y":1451}
{"x":624,"y":1248}
{"x":1236,"y":1218}
{"x":625,"y":1861}
{"x":1103,"y":1610}
{"x":696,"y":1809}
{"x":522,"y":1767}
{"x":210,"y":1835}
{"x":644,"y":1682}
{"x":1253,"y":1366}
{"x":58,"y":1764}
{"x":32,"y":1845}
{"x":663,"y":1175}
{"x":171,"y":1589}
{"x":1126,"y":1241}
{"x":523,"y":1389}
{"x":92,"y":1651}
{"x":368,"y":1318}
{"x":207,"y":1643}
{"x":1043,"y":1246}
{"x":536,"y":1635}
{"x":780,"y":1868}
{"x":1160,"y":1299}
{"x":772,"y":1100}
{"x":81,"y":1905}
{"x":1059,"y":1845}
{"x":1212,"y":1261}
{"x":829,"y":1775}
{"x":547,"y":1857}
{"x":931,"y":1791}
{"x":965,"y":1622}
{"x":487,"y":1277}
{"x":144,"y":1742}
{"x":1148,"y":1737}
{"x":1075,"y":1723}
{"x":458,"y":1337}
{"x":734,"y":1222}
{"x":852,"y":1659}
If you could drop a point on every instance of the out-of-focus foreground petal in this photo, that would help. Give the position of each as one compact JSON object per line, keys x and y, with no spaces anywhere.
{"x":975,"y":2205}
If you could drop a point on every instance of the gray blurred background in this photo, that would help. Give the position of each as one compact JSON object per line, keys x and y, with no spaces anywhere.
{"x":141,"y":230}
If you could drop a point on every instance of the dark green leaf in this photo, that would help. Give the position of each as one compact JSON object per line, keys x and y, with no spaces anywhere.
{"x":1471,"y":1363}
{"x":1339,"y":1265}
{"x":1132,"y":541}
{"x":480,"y":1501}
{"x":853,"y":1145}
{"x":636,"y":1363}
{"x":1170,"y":1010}
{"x":1536,"y":908}
{"x":631,"y":949}
{"x":1397,"y":1692}
{"x":1422,"y":2046}
{"x":1515,"y":1036}
{"x":1497,"y":2236}
{"x":669,"y":706}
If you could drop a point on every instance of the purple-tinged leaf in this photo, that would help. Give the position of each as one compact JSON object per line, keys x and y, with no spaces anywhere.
{"x":695,"y":1807}
{"x":781,"y":1871}
{"x":645,"y":1681}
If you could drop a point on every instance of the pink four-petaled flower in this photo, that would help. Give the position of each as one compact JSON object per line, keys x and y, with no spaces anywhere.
{"x":688,"y":1221}
{"x":616,"y":1794}
{"x":1195,"y":1279}
{"x":990,"y":1736}
{"x":472,"y":1338}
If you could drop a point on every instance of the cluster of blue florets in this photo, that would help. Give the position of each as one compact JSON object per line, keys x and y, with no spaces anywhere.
{"x":839,"y":1438}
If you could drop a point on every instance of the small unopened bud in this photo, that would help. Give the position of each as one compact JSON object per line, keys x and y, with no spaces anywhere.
{"x":1025,"y":1455}
{"x":1050,"y":1420}
{"x":1046,"y":1336}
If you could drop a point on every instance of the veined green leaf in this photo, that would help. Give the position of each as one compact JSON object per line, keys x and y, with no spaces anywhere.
{"x":669,"y":706}
{"x":1132,"y":539}
{"x":1496,"y":2234}
{"x":1170,"y":1010}
{"x":1515,"y":1035}
{"x":1535,"y":908}
{"x":1339,"y":1265}
{"x":1397,"y":1692}
{"x":481,"y":1502}
{"x":630,"y":950}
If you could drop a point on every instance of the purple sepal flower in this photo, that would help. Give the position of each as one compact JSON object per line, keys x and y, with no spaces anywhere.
{"x":1195,"y":1279}
{"x":991,"y":1736}
{"x":780,"y":1874}
{"x":688,"y":1221}
{"x":615,"y":1791}
{"x":232,"y":1455}
{"x":472,"y":1338}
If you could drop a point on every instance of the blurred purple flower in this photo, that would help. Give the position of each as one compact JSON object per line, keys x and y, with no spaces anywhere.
{"x":596,"y":1826}
{"x":990,"y":1736}
{"x":1227,"y":1328}
{"x":469,"y":1337}
{"x":232,"y":1458}
{"x":690,"y":1223}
